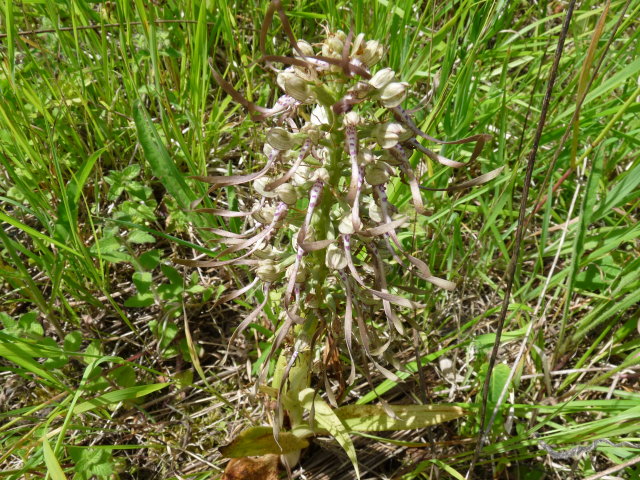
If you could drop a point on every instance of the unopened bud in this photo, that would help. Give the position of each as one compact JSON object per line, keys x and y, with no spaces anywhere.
{"x":264,"y":215}
{"x":306,"y":48}
{"x":320,"y":174}
{"x":382,"y":78}
{"x":376,"y":173}
{"x":332,"y":46}
{"x":346,"y":225}
{"x":375,"y":212}
{"x":287,"y":193}
{"x":260,"y":186}
{"x":352,"y":119}
{"x":335,"y":258}
{"x":373,"y":51}
{"x":389,"y":134}
{"x":393,"y":94}
{"x":280,"y":139}
{"x":301,"y":274}
{"x":295,"y":86}
{"x":302,"y":175}
{"x":360,"y":90}
{"x":357,"y":46}
{"x":267,"y":271}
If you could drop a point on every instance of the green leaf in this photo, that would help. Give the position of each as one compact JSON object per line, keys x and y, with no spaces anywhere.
{"x":53,"y":467}
{"x":327,"y":419}
{"x":140,"y":300}
{"x":142,"y":281}
{"x":260,"y":441}
{"x":158,"y":157}
{"x":138,"y":237}
{"x":374,"y":418}
{"x":151,"y":259}
{"x":124,"y":376}
{"x":499,"y":378}
{"x":118,"y":396}
{"x":72,"y":341}
{"x":91,"y":462}
{"x":28,"y":323}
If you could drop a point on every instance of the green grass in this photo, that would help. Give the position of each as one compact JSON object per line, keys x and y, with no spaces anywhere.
{"x":101,"y":129}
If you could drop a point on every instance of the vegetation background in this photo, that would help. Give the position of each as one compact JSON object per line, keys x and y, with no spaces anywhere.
{"x":111,"y":356}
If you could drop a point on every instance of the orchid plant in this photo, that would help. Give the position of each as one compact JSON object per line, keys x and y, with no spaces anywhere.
{"x":322,"y":235}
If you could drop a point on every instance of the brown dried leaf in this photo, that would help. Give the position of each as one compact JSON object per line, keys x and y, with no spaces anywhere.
{"x":264,"y":467}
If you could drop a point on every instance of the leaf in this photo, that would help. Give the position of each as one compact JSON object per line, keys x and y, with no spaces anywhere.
{"x":91,"y":462}
{"x":499,"y":377}
{"x":327,"y":419}
{"x":260,"y":441}
{"x":68,"y":208}
{"x":142,"y":281}
{"x":374,"y":418}
{"x":53,"y":467}
{"x":118,"y":396}
{"x":72,"y":341}
{"x":159,"y":160}
{"x":150,"y":259}
{"x":139,"y":237}
{"x":261,"y":468}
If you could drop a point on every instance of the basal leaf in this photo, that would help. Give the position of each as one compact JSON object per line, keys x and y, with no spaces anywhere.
{"x":326,"y":418}
{"x":260,"y":441}
{"x":374,"y":418}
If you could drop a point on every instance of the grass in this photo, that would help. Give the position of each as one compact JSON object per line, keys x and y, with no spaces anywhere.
{"x":111,"y":354}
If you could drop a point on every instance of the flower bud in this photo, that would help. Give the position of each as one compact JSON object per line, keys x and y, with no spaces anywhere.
{"x":312,"y":132}
{"x":352,"y":119}
{"x":295,"y":86}
{"x":375,"y":212}
{"x":267,"y":271}
{"x":357,"y":46}
{"x":382,"y":78}
{"x":302,"y":175}
{"x":260,"y":185}
{"x":280,"y":139}
{"x":319,"y":116}
{"x":306,"y":48}
{"x":321,"y":174}
{"x":287,"y":193}
{"x":376,"y":173}
{"x":332,"y":47}
{"x":365,"y":156}
{"x":360,"y":90}
{"x":264,"y":215}
{"x":346,"y":225}
{"x":373,"y":51}
{"x":389,"y":134}
{"x":393,"y":94}
{"x":301,"y":274}
{"x":335,"y":258}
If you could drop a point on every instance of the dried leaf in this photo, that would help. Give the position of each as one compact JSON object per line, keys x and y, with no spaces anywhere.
{"x":260,"y":468}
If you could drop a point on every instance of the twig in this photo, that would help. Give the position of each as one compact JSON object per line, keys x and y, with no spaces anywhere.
{"x":511,"y":269}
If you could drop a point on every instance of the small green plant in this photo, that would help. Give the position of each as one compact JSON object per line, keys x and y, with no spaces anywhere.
{"x":323,"y":235}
